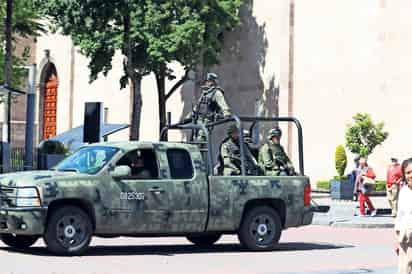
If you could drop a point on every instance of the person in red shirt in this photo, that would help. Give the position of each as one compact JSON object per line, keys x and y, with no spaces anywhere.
{"x":393,"y":179}
{"x":364,"y":189}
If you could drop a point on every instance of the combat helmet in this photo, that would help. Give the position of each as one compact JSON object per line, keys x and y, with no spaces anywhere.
{"x":274,"y":132}
{"x":231,"y":129}
{"x":210,"y":76}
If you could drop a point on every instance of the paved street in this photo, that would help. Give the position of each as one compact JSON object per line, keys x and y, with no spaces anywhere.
{"x":312,"y":249}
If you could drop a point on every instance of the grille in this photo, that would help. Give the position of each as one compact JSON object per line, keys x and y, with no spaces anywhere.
{"x":7,"y":196}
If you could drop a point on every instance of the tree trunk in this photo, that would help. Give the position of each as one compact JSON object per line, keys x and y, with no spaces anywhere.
{"x":8,"y":69}
{"x":160,"y":81}
{"x":136,"y":108}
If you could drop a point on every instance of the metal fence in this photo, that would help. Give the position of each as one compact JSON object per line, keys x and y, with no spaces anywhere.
{"x":17,"y":159}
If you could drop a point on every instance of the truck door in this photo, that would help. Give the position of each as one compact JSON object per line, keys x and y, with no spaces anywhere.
{"x":144,"y":196}
{"x":189,"y":193}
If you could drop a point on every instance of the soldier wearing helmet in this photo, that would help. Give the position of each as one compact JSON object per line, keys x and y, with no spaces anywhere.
{"x":272,"y":157}
{"x":211,"y":105}
{"x":230,"y":157}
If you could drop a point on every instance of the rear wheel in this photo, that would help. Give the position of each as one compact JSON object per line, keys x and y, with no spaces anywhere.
{"x":261,"y":229}
{"x":69,"y":231}
{"x":18,"y":241}
{"x":204,"y":240}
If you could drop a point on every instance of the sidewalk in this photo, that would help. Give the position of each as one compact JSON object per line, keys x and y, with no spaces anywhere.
{"x":346,"y":213}
{"x":353,"y":271}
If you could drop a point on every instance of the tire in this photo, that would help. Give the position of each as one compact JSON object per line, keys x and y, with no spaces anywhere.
{"x":261,"y":229}
{"x":69,"y":231}
{"x":204,"y":240}
{"x":18,"y":241}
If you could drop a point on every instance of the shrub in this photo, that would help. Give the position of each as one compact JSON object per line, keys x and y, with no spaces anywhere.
{"x":340,"y":160}
{"x":364,"y":135}
{"x":380,"y":186}
{"x":52,"y":147}
{"x":323,"y":185}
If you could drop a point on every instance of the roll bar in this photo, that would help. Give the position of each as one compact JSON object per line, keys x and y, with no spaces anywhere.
{"x":239,"y":120}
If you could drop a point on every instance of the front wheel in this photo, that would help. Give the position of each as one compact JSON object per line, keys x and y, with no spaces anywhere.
{"x":204,"y":240}
{"x":260,"y":229}
{"x":18,"y":241}
{"x":69,"y":231}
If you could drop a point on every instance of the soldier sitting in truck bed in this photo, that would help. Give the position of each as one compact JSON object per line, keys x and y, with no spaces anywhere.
{"x":272,"y":157}
{"x":230,"y":155}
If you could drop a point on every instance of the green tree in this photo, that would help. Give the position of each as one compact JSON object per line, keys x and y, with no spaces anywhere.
{"x":364,"y":135}
{"x":340,"y":160}
{"x":150,"y":34}
{"x":189,"y":32}
{"x":25,"y":23}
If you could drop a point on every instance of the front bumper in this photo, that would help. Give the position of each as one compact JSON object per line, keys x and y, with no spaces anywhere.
{"x":23,"y":221}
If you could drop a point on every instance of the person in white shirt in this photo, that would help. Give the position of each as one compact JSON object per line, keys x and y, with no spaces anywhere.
{"x":403,"y":221}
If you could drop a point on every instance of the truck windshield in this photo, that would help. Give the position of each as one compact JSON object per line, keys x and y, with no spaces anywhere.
{"x":87,"y":160}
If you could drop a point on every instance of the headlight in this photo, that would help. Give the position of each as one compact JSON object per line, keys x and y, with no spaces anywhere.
{"x":28,"y":196}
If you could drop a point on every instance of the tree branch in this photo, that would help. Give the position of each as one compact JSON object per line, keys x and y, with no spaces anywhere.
{"x":178,"y":84}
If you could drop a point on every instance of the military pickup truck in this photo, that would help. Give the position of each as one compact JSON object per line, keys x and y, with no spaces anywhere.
{"x":147,"y":189}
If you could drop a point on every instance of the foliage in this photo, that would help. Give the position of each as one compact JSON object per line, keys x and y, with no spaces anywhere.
{"x":149,"y":33}
{"x":364,"y":135}
{"x":340,"y":177}
{"x":323,"y":185}
{"x":380,"y":186}
{"x":52,"y":147}
{"x":340,"y":160}
{"x":25,"y":23}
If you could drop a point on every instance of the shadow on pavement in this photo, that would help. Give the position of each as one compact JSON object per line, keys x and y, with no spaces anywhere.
{"x":170,"y":250}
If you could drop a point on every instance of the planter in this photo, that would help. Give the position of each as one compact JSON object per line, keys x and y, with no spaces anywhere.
{"x":47,"y":161}
{"x":342,"y":189}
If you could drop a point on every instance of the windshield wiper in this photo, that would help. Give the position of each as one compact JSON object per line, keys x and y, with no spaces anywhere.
{"x":67,"y":169}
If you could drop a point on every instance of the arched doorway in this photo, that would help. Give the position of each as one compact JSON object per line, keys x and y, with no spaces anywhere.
{"x":48,"y":101}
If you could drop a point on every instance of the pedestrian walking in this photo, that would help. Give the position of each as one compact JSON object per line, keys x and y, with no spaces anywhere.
{"x":365,"y":178}
{"x":352,"y":178}
{"x":393,"y":180}
{"x":403,"y":221}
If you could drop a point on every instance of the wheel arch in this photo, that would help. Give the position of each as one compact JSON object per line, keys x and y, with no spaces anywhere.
{"x":86,"y":206}
{"x":277,"y":204}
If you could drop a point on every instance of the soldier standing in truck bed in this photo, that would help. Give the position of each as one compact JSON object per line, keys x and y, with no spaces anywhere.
{"x":211,"y":105}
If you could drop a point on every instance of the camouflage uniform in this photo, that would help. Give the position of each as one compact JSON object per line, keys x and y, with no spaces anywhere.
{"x":273,"y":159}
{"x":230,"y":154}
{"x":210,"y":106}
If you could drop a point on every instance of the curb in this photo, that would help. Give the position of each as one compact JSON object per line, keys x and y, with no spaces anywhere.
{"x":373,"y":194}
{"x":359,"y":225}
{"x":352,"y":222}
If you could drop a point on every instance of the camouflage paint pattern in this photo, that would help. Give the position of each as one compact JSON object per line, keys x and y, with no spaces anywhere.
{"x":160,"y":206}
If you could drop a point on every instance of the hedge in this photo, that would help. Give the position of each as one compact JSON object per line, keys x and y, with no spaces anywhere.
{"x":380,"y":185}
{"x":323,"y":185}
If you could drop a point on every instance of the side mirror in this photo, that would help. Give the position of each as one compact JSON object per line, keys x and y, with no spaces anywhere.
{"x":121,"y":171}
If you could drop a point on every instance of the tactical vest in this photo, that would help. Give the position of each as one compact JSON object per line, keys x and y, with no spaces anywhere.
{"x":281,"y":160}
{"x":207,"y":106}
